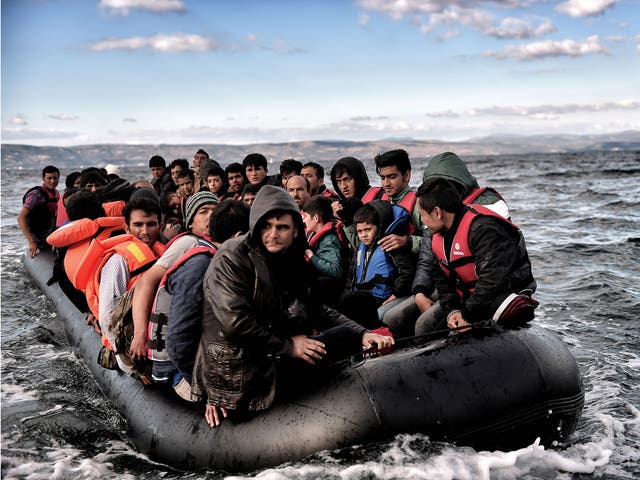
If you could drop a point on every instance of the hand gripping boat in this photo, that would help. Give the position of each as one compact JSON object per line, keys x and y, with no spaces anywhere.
{"x":489,"y":388}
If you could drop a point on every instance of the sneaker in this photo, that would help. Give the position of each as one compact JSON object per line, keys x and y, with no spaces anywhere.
{"x":107,"y":359}
{"x":183,"y":389}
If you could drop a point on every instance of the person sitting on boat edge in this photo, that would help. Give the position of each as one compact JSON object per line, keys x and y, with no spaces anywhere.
{"x":485,"y":272}
{"x":39,"y":206}
{"x":130,"y":253}
{"x":257,"y":312}
{"x":198,"y":210}
{"x":182,"y":284}
{"x":410,"y":317}
{"x":387,"y":275}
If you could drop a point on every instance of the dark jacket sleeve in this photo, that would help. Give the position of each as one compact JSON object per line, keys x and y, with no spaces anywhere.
{"x":325,"y":317}
{"x":184,"y":321}
{"x":403,"y":261}
{"x":494,"y":246}
{"x":233,"y":281}
{"x":423,"y":280}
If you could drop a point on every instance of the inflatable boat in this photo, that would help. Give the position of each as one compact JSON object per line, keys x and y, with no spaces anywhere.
{"x":488,"y":388}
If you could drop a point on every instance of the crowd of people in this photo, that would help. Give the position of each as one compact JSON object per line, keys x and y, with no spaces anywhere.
{"x":213,"y":280}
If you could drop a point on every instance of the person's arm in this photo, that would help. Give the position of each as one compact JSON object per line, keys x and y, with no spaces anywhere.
{"x":184,"y":319}
{"x":114,"y":278}
{"x":406,"y":271}
{"x":494,"y":247}
{"x":327,"y":258}
{"x":423,"y":280}
{"x":24,"y":227}
{"x":143,"y":296}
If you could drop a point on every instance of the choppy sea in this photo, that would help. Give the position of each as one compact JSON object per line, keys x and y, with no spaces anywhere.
{"x":581,"y":216}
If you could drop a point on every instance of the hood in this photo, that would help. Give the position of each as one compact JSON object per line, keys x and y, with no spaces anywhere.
{"x":269,"y":199}
{"x":357,"y":171}
{"x":450,"y":166}
{"x":387,"y":218}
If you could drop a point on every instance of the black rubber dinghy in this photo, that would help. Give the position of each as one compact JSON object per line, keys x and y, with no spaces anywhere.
{"x":488,"y":388}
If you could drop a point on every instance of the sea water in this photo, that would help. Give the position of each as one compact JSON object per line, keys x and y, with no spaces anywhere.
{"x":580,"y":214}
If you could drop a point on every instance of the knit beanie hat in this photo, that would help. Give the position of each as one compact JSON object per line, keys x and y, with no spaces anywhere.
{"x":118,"y":189}
{"x":195,"y":201}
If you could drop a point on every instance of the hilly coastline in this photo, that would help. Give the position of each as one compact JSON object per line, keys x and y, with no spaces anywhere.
{"x":15,"y":156}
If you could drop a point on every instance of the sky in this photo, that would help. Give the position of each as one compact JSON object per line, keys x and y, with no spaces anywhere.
{"x":243,"y":71}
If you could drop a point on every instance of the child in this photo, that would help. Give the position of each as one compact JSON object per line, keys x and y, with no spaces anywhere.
{"x":216,"y":182}
{"x":386,"y":275}
{"x":324,"y":250}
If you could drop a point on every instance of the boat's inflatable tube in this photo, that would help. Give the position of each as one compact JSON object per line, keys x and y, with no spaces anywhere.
{"x":489,"y":388}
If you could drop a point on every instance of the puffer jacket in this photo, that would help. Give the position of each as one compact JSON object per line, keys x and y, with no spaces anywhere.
{"x":254,"y":302}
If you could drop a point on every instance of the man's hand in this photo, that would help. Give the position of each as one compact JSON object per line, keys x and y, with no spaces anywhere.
{"x":214,"y":415}
{"x":307,"y":349}
{"x":392,"y":242}
{"x":33,"y":249}
{"x":423,"y":302}
{"x":336,"y":206}
{"x":138,"y":350}
{"x":455,"y":320}
{"x":391,"y":298}
{"x":381,"y":342}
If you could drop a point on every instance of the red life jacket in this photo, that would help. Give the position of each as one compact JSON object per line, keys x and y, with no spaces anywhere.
{"x":333,"y":227}
{"x":43,"y":217}
{"x":156,"y":328}
{"x":408,"y":202}
{"x":459,"y":263}
{"x":476,"y":192}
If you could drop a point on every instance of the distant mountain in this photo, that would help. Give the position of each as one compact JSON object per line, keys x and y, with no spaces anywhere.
{"x":324,"y":152}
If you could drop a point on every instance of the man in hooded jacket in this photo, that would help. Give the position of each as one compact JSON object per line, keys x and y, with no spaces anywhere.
{"x":257,"y":311}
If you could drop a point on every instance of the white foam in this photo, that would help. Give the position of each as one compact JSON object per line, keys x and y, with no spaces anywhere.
{"x":12,"y":394}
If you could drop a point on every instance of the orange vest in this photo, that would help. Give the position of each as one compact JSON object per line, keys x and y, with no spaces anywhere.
{"x":138,"y":255}
{"x":114,"y":209}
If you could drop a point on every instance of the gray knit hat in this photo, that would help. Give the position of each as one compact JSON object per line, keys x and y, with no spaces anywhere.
{"x":195,"y":201}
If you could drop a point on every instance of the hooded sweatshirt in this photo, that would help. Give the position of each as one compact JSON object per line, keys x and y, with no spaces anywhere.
{"x":356,"y":169}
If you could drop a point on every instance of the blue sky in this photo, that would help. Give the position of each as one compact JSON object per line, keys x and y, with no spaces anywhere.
{"x":189,"y":71}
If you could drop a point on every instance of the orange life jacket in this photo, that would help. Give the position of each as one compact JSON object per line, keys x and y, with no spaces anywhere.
{"x":408,"y":202}
{"x":138,"y":256}
{"x":114,"y":209}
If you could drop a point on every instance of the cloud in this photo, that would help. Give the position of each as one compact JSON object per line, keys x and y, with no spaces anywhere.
{"x":363,"y":20}
{"x":518,"y":28}
{"x":36,"y":136}
{"x":63,"y":116}
{"x":124,"y":7}
{"x":189,"y":42}
{"x":175,"y":43}
{"x":19,"y":119}
{"x":551,"y":48}
{"x":541,"y":112}
{"x":461,"y":12}
{"x":367,"y":118}
{"x":585,"y":8}
{"x":129,"y":120}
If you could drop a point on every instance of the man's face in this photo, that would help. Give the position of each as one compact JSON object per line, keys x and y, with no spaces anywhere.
{"x":248,"y":199}
{"x":50,"y":180}
{"x":174,"y":174}
{"x":214,"y":182}
{"x":297,"y":188}
{"x":185,"y":186}
{"x":392,"y":181}
{"x":144,"y":226}
{"x":157,"y":172}
{"x":255,"y":175}
{"x":235,"y":181}
{"x":278,"y":233}
{"x":432,"y":220}
{"x":197,"y":158}
{"x":92,"y":187}
{"x":367,"y":232}
{"x":200,"y":223}
{"x":347,"y":185}
{"x":310,"y":174}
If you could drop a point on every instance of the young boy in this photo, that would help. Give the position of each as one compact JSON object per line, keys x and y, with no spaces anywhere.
{"x":216,"y":181}
{"x":38,"y":215}
{"x":324,"y":251}
{"x":386,"y":275}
